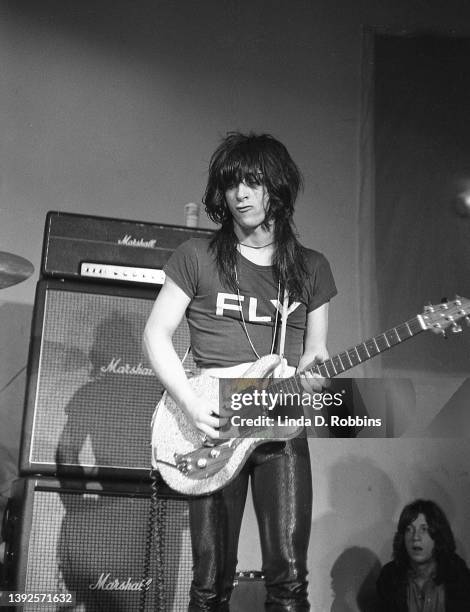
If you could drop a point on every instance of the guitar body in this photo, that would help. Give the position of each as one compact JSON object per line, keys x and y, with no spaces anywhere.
{"x":177,"y":445}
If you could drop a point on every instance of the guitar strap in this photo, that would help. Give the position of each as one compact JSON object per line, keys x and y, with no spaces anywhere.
{"x":285,"y":310}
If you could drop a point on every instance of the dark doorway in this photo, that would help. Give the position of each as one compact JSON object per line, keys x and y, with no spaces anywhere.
{"x":422,"y":162}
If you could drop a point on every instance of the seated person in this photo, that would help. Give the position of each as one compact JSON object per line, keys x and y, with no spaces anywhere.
{"x":426,"y":575}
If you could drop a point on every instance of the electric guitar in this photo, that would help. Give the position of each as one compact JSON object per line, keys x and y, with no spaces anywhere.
{"x":191,"y":466}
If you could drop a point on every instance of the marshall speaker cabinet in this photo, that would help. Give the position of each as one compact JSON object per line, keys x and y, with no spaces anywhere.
{"x":89,"y":538}
{"x":90,"y":392}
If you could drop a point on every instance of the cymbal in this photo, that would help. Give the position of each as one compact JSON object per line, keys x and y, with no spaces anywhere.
{"x":13,"y":269}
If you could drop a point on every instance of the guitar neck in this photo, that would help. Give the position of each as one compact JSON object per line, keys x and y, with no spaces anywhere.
{"x":366,"y":350}
{"x":342,"y":362}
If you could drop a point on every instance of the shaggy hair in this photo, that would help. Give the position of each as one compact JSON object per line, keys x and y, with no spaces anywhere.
{"x":439,"y":530}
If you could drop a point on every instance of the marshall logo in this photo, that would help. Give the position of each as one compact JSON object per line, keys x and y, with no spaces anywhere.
{"x":116,"y":367}
{"x":128,"y":240}
{"x":107,"y":583}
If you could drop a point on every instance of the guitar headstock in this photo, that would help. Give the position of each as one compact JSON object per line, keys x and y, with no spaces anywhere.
{"x":438,"y":318}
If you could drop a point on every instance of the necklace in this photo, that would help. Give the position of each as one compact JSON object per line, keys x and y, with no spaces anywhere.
{"x":243,"y":316}
{"x":249,"y":246}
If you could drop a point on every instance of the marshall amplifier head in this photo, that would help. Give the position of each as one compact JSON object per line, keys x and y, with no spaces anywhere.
{"x":90,"y":392}
{"x":112,"y":250}
{"x":89,"y":538}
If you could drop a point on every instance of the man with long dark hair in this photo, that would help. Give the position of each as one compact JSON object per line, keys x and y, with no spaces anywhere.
{"x":426,"y":574}
{"x":231,"y":289}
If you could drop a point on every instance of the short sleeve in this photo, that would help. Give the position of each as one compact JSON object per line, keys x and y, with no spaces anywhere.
{"x":182,"y":268}
{"x":322,"y":284}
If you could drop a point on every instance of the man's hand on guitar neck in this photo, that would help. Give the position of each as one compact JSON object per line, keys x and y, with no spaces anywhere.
{"x":311,"y":382}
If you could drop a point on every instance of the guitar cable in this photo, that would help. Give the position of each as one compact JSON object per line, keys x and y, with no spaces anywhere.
{"x":173,"y":465}
{"x":155,"y":525}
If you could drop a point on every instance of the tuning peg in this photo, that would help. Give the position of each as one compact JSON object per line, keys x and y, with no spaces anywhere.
{"x":456,"y":328}
{"x":467,"y":320}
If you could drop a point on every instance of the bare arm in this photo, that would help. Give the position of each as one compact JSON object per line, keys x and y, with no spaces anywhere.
{"x":315,"y":345}
{"x":166,"y":315}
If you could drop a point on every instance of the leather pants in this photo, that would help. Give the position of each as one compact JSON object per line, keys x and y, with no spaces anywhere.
{"x":282,"y":494}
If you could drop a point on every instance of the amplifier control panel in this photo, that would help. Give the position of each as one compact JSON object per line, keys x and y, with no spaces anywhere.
{"x":122,"y":273}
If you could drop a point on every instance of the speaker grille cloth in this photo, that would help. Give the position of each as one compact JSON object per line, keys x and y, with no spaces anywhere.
{"x":95,"y":393}
{"x":78,"y":541}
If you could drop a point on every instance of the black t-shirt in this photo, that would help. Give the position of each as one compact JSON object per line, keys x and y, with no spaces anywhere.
{"x":217,"y":335}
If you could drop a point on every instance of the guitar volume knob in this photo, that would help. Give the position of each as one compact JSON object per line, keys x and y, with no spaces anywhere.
{"x":214,"y":453}
{"x":201,"y":463}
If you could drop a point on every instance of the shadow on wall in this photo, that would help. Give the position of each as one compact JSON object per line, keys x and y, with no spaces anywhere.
{"x":15,"y":325}
{"x":363,"y":503}
{"x":353,"y":578}
{"x":105,"y":408}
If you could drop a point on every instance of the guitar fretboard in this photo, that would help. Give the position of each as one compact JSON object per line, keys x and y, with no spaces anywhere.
{"x":356,"y":355}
